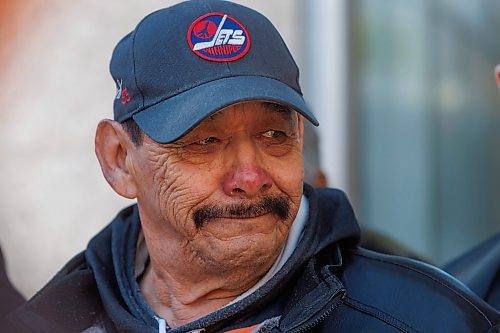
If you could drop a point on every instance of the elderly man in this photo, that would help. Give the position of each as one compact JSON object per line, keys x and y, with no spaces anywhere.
{"x":207,"y":136}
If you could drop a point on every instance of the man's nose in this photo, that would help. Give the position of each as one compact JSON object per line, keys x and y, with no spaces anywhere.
{"x":246,"y":176}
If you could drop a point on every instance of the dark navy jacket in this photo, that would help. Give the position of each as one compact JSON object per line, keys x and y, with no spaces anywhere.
{"x":327,"y":285}
{"x":10,"y":298}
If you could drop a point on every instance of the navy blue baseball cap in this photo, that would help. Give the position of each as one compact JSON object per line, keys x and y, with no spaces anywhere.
{"x":184,"y":63}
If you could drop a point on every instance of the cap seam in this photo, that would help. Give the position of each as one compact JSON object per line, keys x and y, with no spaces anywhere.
{"x":207,"y":5}
{"x":135,"y":75}
{"x":136,"y":30}
{"x":209,"y":8}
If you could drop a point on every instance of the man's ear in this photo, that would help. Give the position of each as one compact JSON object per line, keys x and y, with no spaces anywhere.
{"x":113,"y":148}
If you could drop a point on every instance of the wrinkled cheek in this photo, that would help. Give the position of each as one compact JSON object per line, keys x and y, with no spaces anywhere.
{"x":291,"y":181}
{"x":291,"y":184}
{"x":179,"y":195}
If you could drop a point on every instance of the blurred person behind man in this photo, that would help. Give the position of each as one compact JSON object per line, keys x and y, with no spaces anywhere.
{"x":315,"y":176}
{"x":313,"y":173}
{"x":479,"y":268}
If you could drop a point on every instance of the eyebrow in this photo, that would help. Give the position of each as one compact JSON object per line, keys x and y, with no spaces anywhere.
{"x":283,"y":111}
{"x":275,"y":107}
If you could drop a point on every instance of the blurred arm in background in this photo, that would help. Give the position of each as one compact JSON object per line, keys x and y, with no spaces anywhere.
{"x":479,"y":268}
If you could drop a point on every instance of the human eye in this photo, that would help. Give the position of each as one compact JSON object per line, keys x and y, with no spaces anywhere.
{"x":273,"y":134}
{"x":207,"y":141}
{"x":205,"y":145}
{"x":274,"y":137}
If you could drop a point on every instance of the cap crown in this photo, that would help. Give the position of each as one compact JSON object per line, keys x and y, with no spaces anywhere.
{"x":155,"y":61}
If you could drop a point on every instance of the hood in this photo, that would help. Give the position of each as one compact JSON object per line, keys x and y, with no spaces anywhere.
{"x":111,"y":255}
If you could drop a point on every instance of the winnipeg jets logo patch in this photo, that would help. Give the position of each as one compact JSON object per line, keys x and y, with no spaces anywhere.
{"x":218,"y":37}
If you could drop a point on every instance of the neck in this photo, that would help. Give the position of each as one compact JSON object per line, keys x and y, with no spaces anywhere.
{"x":194,"y":272}
{"x":180,"y":301}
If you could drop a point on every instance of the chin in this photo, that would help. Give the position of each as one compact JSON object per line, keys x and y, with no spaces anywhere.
{"x":257,"y":252}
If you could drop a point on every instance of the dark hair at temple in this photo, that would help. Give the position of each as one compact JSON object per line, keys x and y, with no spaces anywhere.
{"x":133,"y":131}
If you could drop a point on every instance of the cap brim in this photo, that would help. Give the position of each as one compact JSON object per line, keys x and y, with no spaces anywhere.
{"x":169,"y":120}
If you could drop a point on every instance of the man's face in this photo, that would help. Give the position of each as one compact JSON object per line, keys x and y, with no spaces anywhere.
{"x":228,"y":191}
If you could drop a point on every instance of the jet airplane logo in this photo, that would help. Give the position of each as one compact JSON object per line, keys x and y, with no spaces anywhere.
{"x":218,"y":37}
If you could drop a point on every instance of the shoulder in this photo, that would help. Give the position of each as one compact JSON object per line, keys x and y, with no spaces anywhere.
{"x":11,"y":298}
{"x":69,"y":302}
{"x":411,"y":295}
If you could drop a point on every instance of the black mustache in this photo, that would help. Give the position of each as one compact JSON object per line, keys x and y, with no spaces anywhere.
{"x":279,"y":206}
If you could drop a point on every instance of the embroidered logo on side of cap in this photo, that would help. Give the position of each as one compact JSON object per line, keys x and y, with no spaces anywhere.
{"x":119,"y":88}
{"x":125,"y":96}
{"x":218,"y":37}
{"x":122,"y":93}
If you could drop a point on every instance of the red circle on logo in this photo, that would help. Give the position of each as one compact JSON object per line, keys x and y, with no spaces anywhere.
{"x":218,"y":37}
{"x":205,"y":29}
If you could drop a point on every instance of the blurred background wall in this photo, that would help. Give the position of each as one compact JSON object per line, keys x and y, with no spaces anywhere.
{"x":404,"y":91}
{"x":426,"y":121}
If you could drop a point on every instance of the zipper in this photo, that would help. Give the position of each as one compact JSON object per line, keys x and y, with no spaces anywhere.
{"x":334,"y":304}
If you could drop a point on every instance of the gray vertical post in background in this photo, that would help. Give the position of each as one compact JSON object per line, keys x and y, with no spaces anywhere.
{"x":324,"y":73}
